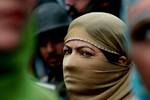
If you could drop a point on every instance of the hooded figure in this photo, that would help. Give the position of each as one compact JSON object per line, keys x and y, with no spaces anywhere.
{"x":52,"y":28}
{"x":96,"y":64}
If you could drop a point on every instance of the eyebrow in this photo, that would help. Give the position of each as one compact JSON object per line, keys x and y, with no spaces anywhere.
{"x":83,"y":41}
{"x":80,"y":47}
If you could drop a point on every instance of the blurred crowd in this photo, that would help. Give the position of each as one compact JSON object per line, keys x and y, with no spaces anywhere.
{"x":74,"y":50}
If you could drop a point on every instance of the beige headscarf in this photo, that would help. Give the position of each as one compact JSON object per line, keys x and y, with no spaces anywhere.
{"x":98,"y":79}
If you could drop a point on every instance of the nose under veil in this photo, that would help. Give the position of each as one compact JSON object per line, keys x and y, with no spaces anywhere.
{"x":106,"y":81}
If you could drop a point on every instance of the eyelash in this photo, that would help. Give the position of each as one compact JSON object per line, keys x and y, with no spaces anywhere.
{"x":67,"y":51}
{"x":83,"y":53}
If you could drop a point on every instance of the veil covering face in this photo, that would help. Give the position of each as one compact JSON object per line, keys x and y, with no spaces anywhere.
{"x":99,"y":79}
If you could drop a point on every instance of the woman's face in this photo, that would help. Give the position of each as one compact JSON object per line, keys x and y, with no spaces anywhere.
{"x":13,"y":16}
{"x":80,"y":60}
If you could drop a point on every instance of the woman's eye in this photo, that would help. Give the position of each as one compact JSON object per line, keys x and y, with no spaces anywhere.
{"x":86,"y":54}
{"x":67,"y":51}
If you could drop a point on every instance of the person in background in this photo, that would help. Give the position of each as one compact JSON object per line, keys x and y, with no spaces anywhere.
{"x":139,"y":29}
{"x":15,"y":49}
{"x":52,"y":28}
{"x":96,"y":64}
{"x":77,"y":8}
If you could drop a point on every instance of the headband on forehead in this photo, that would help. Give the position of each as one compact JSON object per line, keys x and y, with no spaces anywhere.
{"x":104,"y":31}
{"x":90,"y":42}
